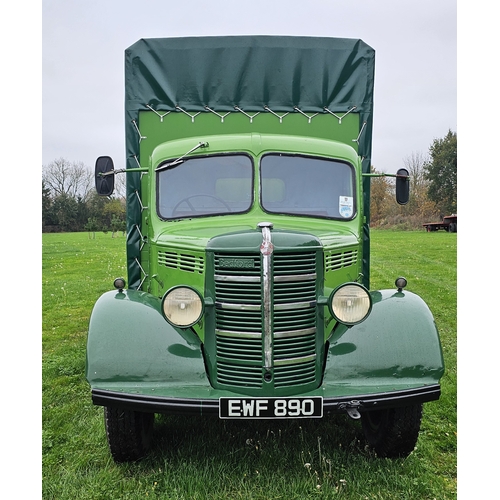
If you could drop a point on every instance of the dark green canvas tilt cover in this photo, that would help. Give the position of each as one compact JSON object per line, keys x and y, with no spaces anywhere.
{"x":281,"y":72}
{"x":250,"y":72}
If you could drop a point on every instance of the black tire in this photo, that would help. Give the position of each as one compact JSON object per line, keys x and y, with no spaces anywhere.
{"x":392,"y":433}
{"x":453,"y":227}
{"x":129,"y":433}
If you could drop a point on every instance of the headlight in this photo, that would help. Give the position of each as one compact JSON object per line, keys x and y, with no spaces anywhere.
{"x":350,"y":303}
{"x":182,"y":306}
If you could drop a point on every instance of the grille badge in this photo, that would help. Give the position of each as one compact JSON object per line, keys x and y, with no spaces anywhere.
{"x":237,"y":263}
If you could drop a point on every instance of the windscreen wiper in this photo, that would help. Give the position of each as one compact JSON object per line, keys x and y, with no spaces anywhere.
{"x":180,"y":159}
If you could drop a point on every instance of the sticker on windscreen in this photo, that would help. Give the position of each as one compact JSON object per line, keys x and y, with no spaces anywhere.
{"x":345,"y":206}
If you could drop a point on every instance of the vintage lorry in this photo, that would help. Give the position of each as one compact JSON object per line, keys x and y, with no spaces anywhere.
{"x":248,"y":248}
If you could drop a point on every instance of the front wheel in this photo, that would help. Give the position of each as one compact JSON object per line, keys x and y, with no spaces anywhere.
{"x":128,"y":432}
{"x":393,"y":432}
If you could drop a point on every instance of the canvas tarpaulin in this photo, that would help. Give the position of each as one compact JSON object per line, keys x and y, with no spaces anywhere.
{"x":250,"y":72}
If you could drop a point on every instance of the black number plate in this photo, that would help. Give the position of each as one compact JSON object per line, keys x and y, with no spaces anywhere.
{"x":271,"y":407}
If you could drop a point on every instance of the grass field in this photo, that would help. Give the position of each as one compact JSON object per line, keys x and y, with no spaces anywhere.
{"x":204,"y":458}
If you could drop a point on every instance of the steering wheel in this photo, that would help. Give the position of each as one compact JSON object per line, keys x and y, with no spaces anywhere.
{"x":193,"y":209}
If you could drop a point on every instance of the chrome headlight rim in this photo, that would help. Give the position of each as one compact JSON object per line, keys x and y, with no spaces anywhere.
{"x":365,"y":294}
{"x":168,"y":294}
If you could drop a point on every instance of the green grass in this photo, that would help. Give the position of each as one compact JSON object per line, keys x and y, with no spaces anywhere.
{"x":204,"y":458}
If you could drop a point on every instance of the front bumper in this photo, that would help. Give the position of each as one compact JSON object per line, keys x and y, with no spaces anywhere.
{"x":184,"y":406}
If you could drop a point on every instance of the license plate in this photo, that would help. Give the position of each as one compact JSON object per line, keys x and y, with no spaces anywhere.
{"x":271,"y":407}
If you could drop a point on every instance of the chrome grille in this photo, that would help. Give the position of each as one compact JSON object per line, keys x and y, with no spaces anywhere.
{"x":238,"y":292}
{"x":285,"y":264}
{"x":285,"y":376}
{"x":239,"y":319}
{"x":238,"y":375}
{"x":294,"y":320}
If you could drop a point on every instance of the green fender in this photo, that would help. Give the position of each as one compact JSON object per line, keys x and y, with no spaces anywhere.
{"x":131,"y":348}
{"x":396,"y":348}
{"x":130,"y":344}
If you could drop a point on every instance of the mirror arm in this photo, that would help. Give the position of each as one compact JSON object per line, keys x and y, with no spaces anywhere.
{"x":386,"y":175}
{"x":402,"y":184}
{"x":121,"y":171}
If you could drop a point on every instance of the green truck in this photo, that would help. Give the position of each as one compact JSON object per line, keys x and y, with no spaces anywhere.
{"x":248,"y":248}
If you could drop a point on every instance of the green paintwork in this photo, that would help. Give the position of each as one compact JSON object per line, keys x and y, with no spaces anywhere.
{"x":138,"y":352}
{"x":193,"y":235}
{"x":188,"y":235}
{"x":179,"y":126}
{"x":131,"y":347}
{"x":397,"y":346}
{"x":190,"y":87}
{"x":131,"y":344}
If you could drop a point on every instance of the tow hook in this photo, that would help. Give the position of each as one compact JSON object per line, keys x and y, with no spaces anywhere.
{"x":352,"y":409}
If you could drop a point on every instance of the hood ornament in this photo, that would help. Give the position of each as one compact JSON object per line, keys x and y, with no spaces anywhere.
{"x":266,"y":248}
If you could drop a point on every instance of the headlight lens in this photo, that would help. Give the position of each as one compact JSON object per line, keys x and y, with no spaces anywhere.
{"x":182,"y":306}
{"x":350,"y":303}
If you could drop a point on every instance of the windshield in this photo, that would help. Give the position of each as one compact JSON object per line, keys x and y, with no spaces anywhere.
{"x":302,"y":185}
{"x":205,"y":186}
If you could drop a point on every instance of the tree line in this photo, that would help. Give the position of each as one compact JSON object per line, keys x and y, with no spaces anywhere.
{"x":70,"y":203}
{"x":433,"y":188}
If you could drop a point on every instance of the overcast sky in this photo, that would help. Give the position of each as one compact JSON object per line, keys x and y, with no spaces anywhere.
{"x":83,"y":63}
